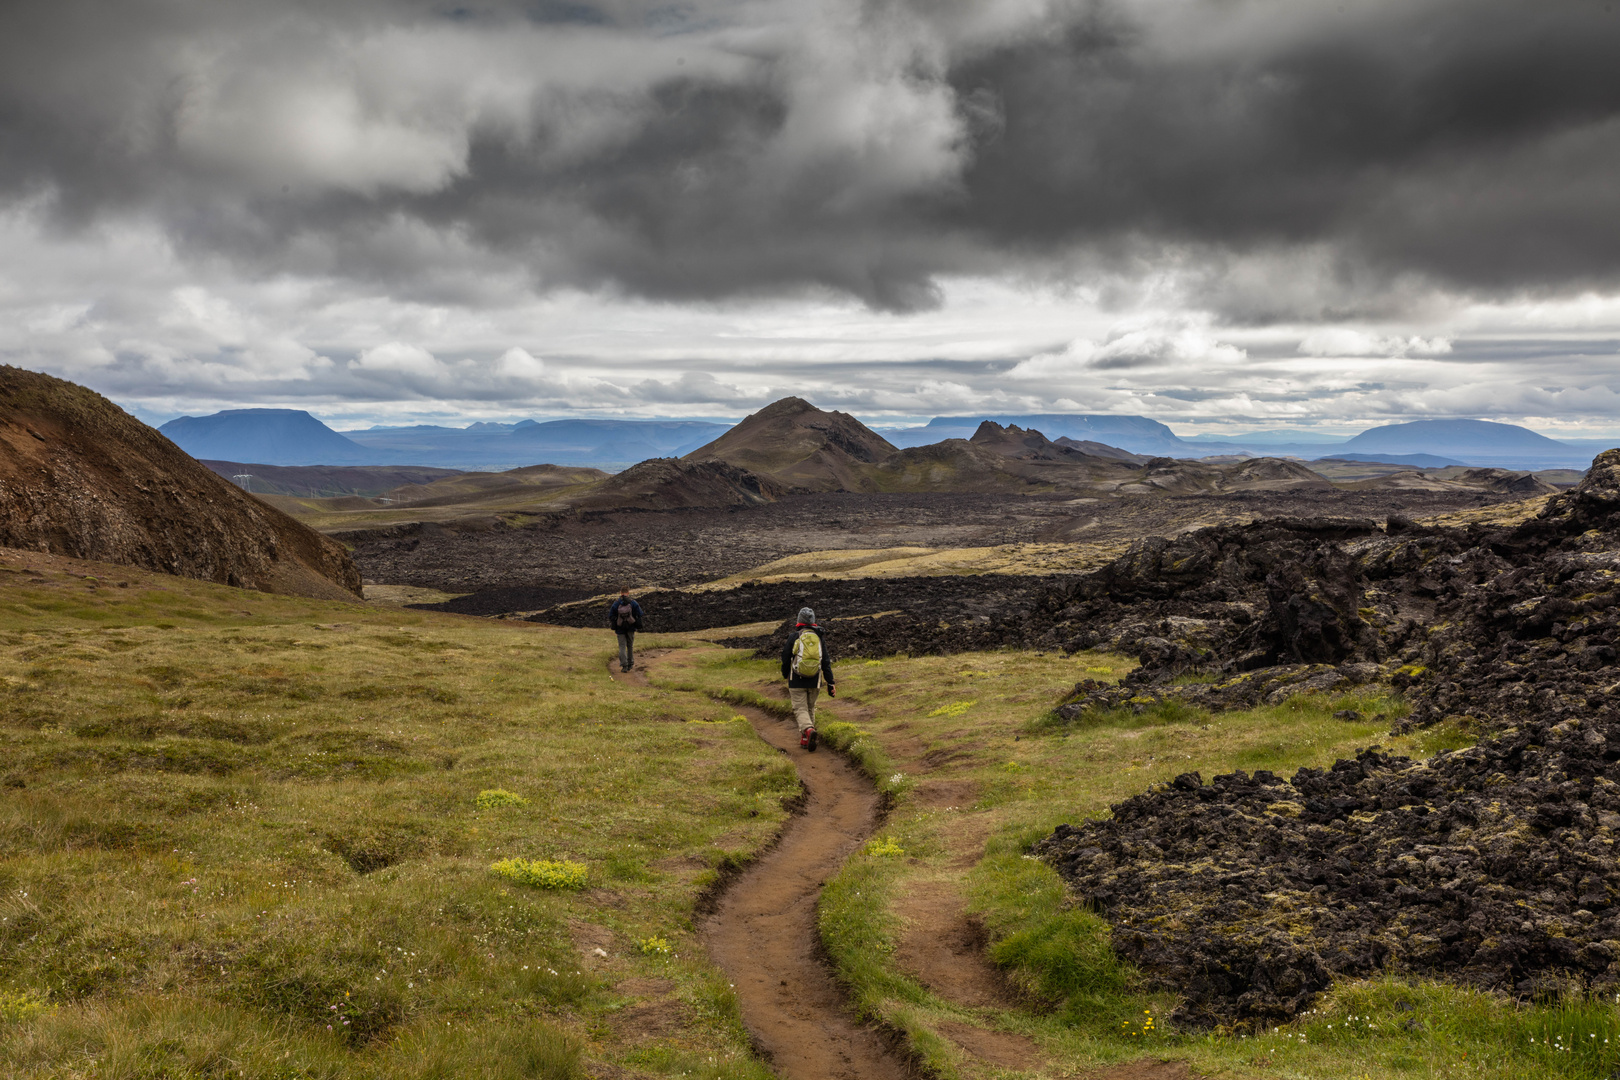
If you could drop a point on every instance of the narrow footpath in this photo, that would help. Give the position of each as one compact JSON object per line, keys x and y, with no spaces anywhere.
{"x":762,"y":933}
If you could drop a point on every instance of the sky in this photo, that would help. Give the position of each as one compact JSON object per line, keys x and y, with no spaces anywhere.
{"x":1228,"y":215}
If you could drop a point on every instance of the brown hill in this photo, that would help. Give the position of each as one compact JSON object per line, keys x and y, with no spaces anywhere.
{"x":956,"y":465}
{"x":794,"y":443}
{"x":1015,"y":442}
{"x":1173,"y":477}
{"x":81,"y":477}
{"x":1097,"y":449}
{"x":672,"y":483}
{"x":997,"y":459}
{"x":1505,"y":482}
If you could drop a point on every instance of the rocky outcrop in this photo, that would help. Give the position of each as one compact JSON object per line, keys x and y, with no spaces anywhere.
{"x":1492,"y":623}
{"x":80,"y":477}
{"x":1493,"y":867}
{"x":1523,"y":484}
{"x":673,"y":483}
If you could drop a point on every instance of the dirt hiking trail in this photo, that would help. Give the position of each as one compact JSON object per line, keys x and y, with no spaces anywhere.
{"x":762,"y":933}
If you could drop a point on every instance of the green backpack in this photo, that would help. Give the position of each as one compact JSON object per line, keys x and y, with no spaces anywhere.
{"x":807,"y":654}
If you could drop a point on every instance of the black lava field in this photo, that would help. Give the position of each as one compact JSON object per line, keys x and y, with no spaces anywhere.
{"x":1494,"y":866}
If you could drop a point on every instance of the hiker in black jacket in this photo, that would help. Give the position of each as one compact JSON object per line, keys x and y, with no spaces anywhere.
{"x":624,"y":619}
{"x":806,"y":664}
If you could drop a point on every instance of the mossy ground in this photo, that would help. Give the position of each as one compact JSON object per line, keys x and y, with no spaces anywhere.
{"x":998,"y":774}
{"x":240,"y":836}
{"x":230,"y":822}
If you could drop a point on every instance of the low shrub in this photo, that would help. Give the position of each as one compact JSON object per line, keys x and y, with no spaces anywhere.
{"x":543,"y":873}
{"x":885,"y":847}
{"x":20,"y":1005}
{"x":498,"y":797}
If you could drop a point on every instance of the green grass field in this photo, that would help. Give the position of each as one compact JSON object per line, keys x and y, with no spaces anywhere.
{"x":242,"y":835}
{"x":255,"y":836}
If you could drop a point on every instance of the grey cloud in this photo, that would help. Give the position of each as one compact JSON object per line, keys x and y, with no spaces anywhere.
{"x":1461,"y":140}
{"x":1125,"y":362}
{"x":1289,"y":157}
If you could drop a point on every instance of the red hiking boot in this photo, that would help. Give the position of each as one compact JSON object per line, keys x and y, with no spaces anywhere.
{"x":807,"y":738}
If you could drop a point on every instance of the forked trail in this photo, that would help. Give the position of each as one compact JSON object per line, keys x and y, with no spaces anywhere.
{"x":763,"y":930}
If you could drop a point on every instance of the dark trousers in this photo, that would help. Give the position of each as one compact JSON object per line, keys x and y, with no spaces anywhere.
{"x":627,"y":650}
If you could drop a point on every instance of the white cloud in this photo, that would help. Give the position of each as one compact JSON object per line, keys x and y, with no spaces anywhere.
{"x":399,"y":358}
{"x":1066,"y":363}
{"x":1161,"y":347}
{"x":516,"y":363}
{"x":1173,"y":343}
{"x":1345,"y":341}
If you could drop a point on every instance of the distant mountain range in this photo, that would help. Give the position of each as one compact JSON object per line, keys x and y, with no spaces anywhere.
{"x":609,"y":444}
{"x":293,"y":437}
{"x":796,"y":445}
{"x":793,"y":446}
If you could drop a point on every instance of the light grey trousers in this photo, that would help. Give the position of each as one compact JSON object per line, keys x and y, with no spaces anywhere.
{"x":627,"y":651}
{"x":804,"y":705}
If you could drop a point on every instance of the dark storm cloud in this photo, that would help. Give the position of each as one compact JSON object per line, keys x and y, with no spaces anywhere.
{"x":442,"y":151}
{"x":1466,"y":140}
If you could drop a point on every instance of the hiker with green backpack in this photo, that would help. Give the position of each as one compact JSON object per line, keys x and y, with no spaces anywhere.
{"x":806,"y":664}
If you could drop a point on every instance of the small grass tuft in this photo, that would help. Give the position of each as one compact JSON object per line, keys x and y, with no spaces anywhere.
{"x":495,"y":798}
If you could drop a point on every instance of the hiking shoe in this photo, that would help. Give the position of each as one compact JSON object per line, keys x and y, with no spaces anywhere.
{"x":809,"y":740}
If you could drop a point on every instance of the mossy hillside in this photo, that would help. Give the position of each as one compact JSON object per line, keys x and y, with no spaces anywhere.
{"x":241,"y":833}
{"x":997,"y":775}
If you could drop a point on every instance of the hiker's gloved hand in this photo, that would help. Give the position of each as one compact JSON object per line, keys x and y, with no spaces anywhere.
{"x":832,"y":691}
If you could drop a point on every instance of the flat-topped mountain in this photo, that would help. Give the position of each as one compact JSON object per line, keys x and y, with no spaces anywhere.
{"x":1454,"y":438}
{"x":267,"y":436}
{"x":798,"y":445}
{"x":81,"y":477}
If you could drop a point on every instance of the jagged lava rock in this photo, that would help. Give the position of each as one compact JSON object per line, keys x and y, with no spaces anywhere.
{"x":1493,"y":866}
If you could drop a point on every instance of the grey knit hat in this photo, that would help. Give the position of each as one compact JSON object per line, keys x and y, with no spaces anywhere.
{"x":806,"y":617}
